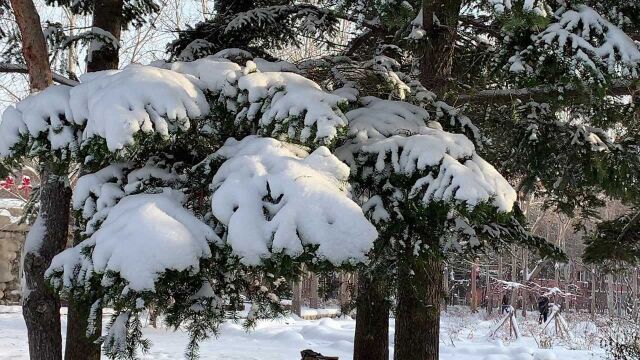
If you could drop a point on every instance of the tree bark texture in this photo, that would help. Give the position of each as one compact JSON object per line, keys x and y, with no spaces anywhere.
{"x":371,"y":340}
{"x":437,"y":57}
{"x":78,"y":345}
{"x":107,"y":15}
{"x":41,"y":306}
{"x":417,"y":334}
{"x":34,"y":47}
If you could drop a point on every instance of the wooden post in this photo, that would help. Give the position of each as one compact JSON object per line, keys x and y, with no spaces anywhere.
{"x":593,"y":293}
{"x":636,"y":296}
{"x":500,"y":277}
{"x":514,"y":275}
{"x":313,"y":291}
{"x":525,"y":280}
{"x":296,"y":301}
{"x":610,"y":295}
{"x":343,"y":296}
{"x":445,"y":287}
{"x":489,"y":292}
{"x":474,"y":272}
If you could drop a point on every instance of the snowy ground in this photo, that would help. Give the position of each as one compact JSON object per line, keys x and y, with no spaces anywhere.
{"x":463,"y":338}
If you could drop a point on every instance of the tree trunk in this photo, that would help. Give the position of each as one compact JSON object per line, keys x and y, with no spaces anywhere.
{"x":78,"y":345}
{"x":371,"y":340}
{"x":40,"y":305}
{"x":417,"y":334}
{"x":107,"y":16}
{"x":437,"y":58}
{"x":48,"y":236}
{"x":34,"y":47}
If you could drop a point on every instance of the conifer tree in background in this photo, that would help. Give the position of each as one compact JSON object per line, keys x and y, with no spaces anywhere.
{"x":540,"y":80}
{"x":255,"y":27}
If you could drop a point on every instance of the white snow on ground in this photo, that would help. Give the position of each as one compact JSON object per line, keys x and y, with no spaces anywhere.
{"x":282,"y":339}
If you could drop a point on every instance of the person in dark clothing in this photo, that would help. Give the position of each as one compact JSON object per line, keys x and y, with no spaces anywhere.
{"x":543,"y":307}
{"x":505,"y":304}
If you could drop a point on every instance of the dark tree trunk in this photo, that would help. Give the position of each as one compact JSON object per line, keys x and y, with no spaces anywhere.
{"x":107,"y":15}
{"x":41,"y":306}
{"x":418,"y":311}
{"x":372,"y":322}
{"x":439,"y":44}
{"x":81,"y":343}
{"x":420,"y":289}
{"x":79,"y":346}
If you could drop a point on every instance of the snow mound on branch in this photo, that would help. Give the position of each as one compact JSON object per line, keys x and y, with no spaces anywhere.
{"x":382,"y":118}
{"x":593,"y":38}
{"x":117,"y":105}
{"x":269,"y":66}
{"x":219,"y":75}
{"x":44,"y":112}
{"x":92,"y":184}
{"x":146,"y":234}
{"x":274,"y":197}
{"x":292,"y":95}
{"x":461,"y":174}
{"x":97,"y":193}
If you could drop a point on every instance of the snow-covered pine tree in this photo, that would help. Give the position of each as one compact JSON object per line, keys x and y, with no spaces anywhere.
{"x":255,"y":27}
{"x":181,"y":216}
{"x":173,"y":145}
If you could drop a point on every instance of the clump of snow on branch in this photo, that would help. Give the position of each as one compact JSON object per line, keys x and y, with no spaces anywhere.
{"x":461,"y":174}
{"x":382,"y":118}
{"x":97,"y":193}
{"x":117,"y":105}
{"x":280,"y":96}
{"x":44,"y":113}
{"x":271,"y":66}
{"x":217,"y":74}
{"x":143,"y":236}
{"x":273,"y":197}
{"x":417,"y":29}
{"x":593,"y":42}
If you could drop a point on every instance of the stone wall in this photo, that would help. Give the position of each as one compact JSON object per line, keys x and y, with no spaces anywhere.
{"x":12,"y":238}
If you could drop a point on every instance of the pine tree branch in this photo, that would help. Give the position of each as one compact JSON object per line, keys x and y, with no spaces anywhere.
{"x":22,"y":69}
{"x":629,"y":225}
{"x":539,"y":94}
